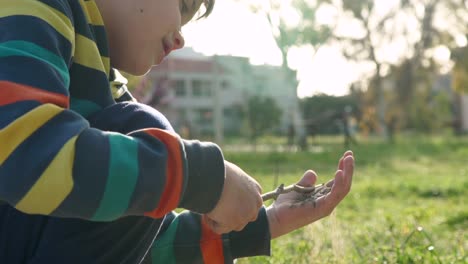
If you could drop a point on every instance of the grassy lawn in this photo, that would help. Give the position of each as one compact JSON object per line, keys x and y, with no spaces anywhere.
{"x":408,"y":203}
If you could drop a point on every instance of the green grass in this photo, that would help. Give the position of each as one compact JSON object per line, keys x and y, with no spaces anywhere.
{"x":408,"y":203}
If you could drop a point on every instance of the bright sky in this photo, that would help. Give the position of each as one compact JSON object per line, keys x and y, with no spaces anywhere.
{"x":233,"y":30}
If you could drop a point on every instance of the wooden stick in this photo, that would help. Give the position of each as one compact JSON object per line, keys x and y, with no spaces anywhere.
{"x":282,"y":190}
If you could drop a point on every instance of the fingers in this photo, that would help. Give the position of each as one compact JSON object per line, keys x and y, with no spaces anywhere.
{"x":215,"y":226}
{"x":222,"y":229}
{"x":346,"y":154}
{"x":343,"y":180}
{"x":239,"y":203}
{"x":308,"y":179}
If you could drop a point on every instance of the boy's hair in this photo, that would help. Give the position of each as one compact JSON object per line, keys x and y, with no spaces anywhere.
{"x":209,"y":4}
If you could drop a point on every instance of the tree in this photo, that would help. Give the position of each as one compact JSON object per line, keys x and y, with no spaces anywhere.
{"x":415,"y":26}
{"x":263,"y":114}
{"x":306,"y":31}
{"x":323,"y":112}
{"x":374,"y":31}
{"x":460,"y":70}
{"x":420,"y":70}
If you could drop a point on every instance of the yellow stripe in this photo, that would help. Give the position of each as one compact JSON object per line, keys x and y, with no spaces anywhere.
{"x":18,"y":131}
{"x":92,"y":12}
{"x":54,"y":185}
{"x":106,"y":62}
{"x":93,"y":16}
{"x":53,"y":17}
{"x":86,"y":51}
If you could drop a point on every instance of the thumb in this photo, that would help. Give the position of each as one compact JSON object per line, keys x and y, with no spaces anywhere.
{"x":308,"y":179}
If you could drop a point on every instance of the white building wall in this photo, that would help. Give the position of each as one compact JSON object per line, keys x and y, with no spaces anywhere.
{"x":241,"y":80}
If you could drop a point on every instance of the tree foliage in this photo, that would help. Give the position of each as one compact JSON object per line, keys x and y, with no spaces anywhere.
{"x":399,"y":40}
{"x":409,"y":76}
{"x":322,"y":113}
{"x":263,"y":114}
{"x":460,"y":70}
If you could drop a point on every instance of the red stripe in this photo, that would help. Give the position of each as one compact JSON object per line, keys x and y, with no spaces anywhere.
{"x":11,"y":92}
{"x":211,"y":245}
{"x":174,"y":173}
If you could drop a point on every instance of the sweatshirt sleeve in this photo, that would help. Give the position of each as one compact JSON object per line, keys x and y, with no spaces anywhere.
{"x":184,"y":238}
{"x":53,"y":163}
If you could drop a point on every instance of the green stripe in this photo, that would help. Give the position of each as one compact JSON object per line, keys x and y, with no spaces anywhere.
{"x":122,"y":179}
{"x":29,"y":49}
{"x":83,"y":107}
{"x":163,"y":247}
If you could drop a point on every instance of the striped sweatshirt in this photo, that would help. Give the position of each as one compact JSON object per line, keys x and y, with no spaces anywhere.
{"x":54,"y":74}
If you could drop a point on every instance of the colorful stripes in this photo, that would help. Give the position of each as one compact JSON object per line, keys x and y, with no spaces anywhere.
{"x":83,"y":107}
{"x":28,"y":49}
{"x":11,"y":92}
{"x":77,"y":170}
{"x":163,"y":249}
{"x":90,"y":170}
{"x":60,"y":22}
{"x":86,"y":55}
{"x":94,"y":19}
{"x":174,"y":173}
{"x":188,"y":239}
{"x":122,"y":178}
{"x":21,"y":129}
{"x":52,"y":187}
{"x":92,"y":13}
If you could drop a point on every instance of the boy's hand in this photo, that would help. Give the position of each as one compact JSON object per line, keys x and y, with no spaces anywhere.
{"x":239,"y":203}
{"x":288,"y":212}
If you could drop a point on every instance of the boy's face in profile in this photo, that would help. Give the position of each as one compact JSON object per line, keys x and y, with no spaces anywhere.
{"x":142,"y":32}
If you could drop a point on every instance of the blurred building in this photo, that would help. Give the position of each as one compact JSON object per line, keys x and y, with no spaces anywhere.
{"x":464,"y":112}
{"x":207,"y":94}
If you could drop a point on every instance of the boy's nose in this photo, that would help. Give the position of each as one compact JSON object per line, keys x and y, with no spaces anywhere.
{"x":179,"y":41}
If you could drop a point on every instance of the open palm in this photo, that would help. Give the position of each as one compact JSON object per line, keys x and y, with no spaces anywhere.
{"x":290,"y":211}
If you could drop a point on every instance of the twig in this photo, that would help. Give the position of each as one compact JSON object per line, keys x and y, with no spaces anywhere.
{"x":300,"y":189}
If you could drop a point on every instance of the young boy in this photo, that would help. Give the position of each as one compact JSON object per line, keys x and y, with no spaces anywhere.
{"x":87,"y":177}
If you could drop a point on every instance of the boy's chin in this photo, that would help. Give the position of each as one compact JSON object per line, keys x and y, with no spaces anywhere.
{"x":135,"y":70}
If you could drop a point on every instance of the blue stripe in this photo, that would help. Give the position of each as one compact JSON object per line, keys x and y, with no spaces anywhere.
{"x":39,"y":75}
{"x":39,"y":150}
{"x":90,"y":175}
{"x":59,"y":5}
{"x":101,"y":40}
{"x":99,"y":92}
{"x":38,"y":31}
{"x":29,"y":49}
{"x":11,"y":112}
{"x":152,"y":162}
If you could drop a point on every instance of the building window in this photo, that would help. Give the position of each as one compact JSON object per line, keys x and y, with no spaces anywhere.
{"x":225,"y":85}
{"x":180,"y":88}
{"x":201,"y":88}
{"x":204,"y":116}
